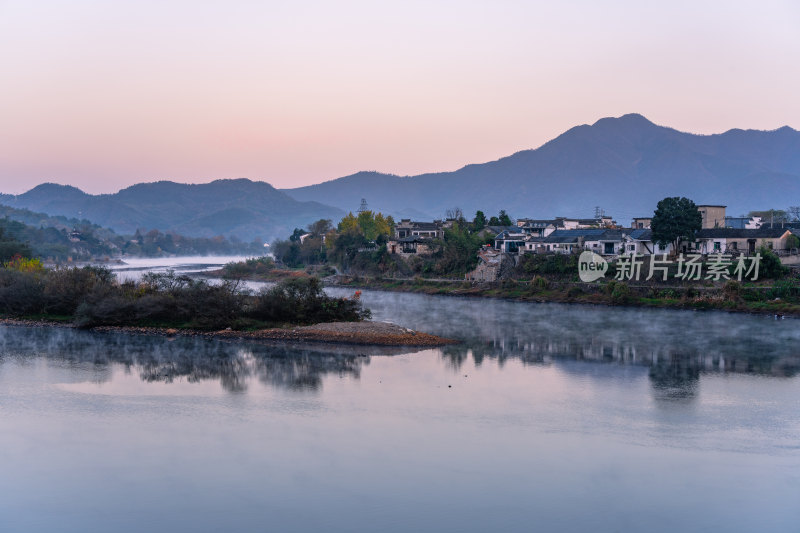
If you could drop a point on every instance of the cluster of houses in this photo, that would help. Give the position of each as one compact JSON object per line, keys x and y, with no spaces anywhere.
{"x":602,"y":235}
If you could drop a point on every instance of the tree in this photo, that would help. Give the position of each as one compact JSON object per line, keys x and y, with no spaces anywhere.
{"x":296,"y":235}
{"x":504,"y":219}
{"x":454,"y":214}
{"x":794,"y":212}
{"x":479,"y":222}
{"x":10,"y":247}
{"x":320,"y":227}
{"x":774,"y":216}
{"x":675,"y":219}
{"x":458,"y":253}
{"x":348,"y":225}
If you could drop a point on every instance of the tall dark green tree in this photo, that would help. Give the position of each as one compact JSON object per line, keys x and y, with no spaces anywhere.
{"x":504,"y":219}
{"x":479,"y":222}
{"x":675,"y":219}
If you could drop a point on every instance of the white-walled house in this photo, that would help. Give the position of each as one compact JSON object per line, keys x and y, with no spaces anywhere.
{"x":746,"y":241}
{"x":600,"y":241}
{"x":640,"y":241}
{"x":510,"y":241}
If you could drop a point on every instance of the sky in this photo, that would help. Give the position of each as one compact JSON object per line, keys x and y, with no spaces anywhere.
{"x":101,"y":95}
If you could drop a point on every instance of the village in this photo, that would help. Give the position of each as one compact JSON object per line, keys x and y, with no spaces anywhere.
{"x":719,"y":234}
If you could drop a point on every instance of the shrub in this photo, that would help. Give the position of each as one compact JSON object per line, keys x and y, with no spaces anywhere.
{"x":620,"y":293}
{"x":574,"y":291}
{"x":771,"y":266}
{"x":302,"y":300}
{"x":609,"y":287}
{"x":732,"y":289}
{"x":24,"y":264}
{"x":251,"y":267}
{"x":784,"y":289}
{"x":93,"y":298}
{"x":21,"y":293}
{"x":548,"y":264}
{"x":540,"y":283}
{"x":67,"y":288}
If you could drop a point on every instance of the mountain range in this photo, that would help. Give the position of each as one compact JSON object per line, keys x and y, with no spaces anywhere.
{"x":242,"y":208}
{"x":623,"y":165}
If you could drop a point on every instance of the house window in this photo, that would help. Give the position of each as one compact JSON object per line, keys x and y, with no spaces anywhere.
{"x":631,"y":247}
{"x":717,"y":246}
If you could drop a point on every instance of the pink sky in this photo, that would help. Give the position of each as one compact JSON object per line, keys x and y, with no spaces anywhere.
{"x":102,"y":95}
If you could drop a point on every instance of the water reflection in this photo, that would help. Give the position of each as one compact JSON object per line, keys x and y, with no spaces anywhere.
{"x":160,"y":359}
{"x":677,"y":346}
{"x":675,"y":366}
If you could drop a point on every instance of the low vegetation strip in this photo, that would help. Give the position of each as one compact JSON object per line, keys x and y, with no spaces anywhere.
{"x":90,"y":297}
{"x":780,"y":297}
{"x":358,"y":333}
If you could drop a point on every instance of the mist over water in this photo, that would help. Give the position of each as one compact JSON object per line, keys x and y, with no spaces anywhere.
{"x":547,"y":417}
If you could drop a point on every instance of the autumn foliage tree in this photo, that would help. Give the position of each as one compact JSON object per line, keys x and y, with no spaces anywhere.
{"x":368,"y":224}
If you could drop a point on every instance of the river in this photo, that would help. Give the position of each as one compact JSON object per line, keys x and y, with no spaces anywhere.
{"x":548,"y":417}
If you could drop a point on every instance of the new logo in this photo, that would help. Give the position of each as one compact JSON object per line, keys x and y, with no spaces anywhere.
{"x":591,"y":266}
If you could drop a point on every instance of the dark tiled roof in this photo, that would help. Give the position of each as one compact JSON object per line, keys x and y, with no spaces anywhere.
{"x":415,"y":238}
{"x":737,"y":233}
{"x":641,"y":234}
{"x":560,"y":239}
{"x":506,"y":234}
{"x":500,"y":229}
{"x":588,"y":234}
{"x":537,"y":223}
{"x":425,"y":226}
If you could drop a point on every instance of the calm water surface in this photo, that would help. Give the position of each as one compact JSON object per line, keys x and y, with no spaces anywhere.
{"x":547,"y":418}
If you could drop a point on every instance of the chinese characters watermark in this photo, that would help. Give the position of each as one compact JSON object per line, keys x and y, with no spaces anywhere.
{"x":690,"y":267}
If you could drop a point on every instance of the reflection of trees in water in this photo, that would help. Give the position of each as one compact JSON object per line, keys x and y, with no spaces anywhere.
{"x":678,"y":343}
{"x":675,"y":364}
{"x":160,"y":359}
{"x":303,"y":369}
{"x":675,"y":378}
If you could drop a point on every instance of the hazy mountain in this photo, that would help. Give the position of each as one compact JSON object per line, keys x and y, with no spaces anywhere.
{"x":241,"y":208}
{"x":624,"y":165}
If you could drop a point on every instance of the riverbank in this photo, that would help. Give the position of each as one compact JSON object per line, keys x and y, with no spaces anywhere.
{"x":731,"y":296}
{"x":364,"y":333}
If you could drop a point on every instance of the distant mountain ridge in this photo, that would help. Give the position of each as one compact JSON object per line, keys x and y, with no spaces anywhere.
{"x":625,"y":165}
{"x":241,"y":208}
